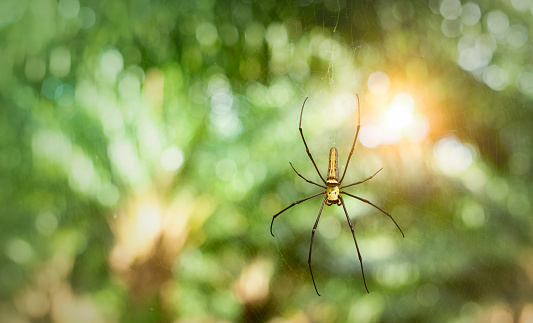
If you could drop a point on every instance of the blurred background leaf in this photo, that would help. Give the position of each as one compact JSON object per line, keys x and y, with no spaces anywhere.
{"x":144,"y":148}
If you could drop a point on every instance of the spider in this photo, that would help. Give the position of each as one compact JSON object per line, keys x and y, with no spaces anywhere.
{"x":333,"y":191}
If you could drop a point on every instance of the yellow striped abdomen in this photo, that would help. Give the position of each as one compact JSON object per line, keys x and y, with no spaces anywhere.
{"x":333,"y":169}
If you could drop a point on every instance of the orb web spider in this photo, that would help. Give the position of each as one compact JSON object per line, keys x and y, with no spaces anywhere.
{"x":333,"y":191}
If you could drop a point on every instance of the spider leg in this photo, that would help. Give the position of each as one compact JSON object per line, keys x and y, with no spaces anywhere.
{"x":305,"y":144}
{"x":355,"y":139}
{"x":377,"y":207}
{"x":311,"y":245}
{"x":355,"y":240}
{"x":288,"y":207}
{"x":308,"y":181}
{"x":364,"y":180}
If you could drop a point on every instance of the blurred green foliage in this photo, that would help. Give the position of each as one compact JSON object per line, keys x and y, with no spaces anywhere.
{"x":144,"y":147}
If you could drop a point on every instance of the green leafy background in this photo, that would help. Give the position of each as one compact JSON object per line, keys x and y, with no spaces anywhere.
{"x":145,"y":147}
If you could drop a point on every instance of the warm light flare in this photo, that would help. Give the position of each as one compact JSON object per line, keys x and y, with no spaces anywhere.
{"x":378,"y":83}
{"x":370,"y":136}
{"x":399,"y":113}
{"x":397,"y":121}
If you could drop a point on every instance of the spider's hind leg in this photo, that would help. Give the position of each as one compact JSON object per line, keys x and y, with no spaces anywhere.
{"x":355,"y":240}
{"x":311,"y":245}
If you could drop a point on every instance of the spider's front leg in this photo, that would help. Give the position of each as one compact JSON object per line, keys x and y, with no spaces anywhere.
{"x":288,"y":207}
{"x":305,"y":144}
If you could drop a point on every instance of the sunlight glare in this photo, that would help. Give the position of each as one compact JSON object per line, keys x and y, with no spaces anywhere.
{"x":452,"y":156}
{"x":370,"y":136}
{"x":396,"y":117}
{"x":399,"y":113}
{"x":419,"y":129}
{"x":397,"y":121}
{"x":378,"y":83}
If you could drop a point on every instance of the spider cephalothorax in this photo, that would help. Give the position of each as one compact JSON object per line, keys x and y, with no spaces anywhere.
{"x":332,"y":195}
{"x":333,"y":191}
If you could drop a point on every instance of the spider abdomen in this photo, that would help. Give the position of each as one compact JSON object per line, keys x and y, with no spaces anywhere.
{"x":333,"y":169}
